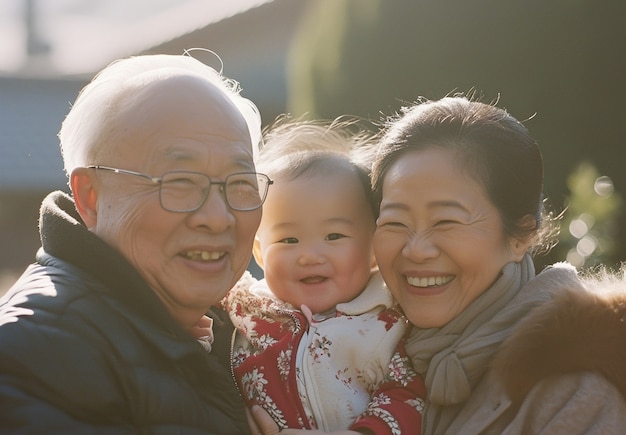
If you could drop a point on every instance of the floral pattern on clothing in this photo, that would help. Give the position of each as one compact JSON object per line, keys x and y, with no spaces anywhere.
{"x":390,"y":317}
{"x":254,"y":387}
{"x":397,"y":400}
{"x":401,"y":370}
{"x":329,"y":371}
{"x":284,"y":357}
{"x":320,"y":348}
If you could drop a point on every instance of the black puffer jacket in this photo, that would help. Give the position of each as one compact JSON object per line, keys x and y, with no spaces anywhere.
{"x":86,"y":347}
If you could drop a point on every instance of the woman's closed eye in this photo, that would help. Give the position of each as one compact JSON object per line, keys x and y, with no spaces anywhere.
{"x":390,"y":224}
{"x":444,"y":222}
{"x":449,"y":222}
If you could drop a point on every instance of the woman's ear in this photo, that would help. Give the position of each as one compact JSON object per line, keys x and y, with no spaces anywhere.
{"x":520,"y":245}
{"x":83,"y":183}
{"x":256,"y":252}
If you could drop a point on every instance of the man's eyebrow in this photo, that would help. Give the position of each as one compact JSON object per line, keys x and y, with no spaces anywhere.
{"x":181,"y":155}
{"x":178,"y":156}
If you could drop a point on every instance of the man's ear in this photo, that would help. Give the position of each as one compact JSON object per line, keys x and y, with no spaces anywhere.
{"x":256,"y":252}
{"x":519,"y":246}
{"x":83,"y":183}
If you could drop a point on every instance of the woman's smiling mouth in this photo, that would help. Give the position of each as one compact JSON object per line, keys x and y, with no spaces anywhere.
{"x":430,"y":281}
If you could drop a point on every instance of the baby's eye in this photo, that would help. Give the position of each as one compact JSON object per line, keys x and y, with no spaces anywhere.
{"x":334,"y":236}
{"x":289,"y":240}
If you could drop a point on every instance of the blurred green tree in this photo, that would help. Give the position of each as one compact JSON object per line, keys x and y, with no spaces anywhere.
{"x":557,"y":64}
{"x":590,"y":222}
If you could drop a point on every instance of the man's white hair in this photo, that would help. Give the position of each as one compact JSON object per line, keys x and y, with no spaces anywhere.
{"x":90,"y":122}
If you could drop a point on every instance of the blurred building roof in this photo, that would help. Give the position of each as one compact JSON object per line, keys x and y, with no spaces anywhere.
{"x":82,"y":36}
{"x":253,"y":47}
{"x":251,"y":37}
{"x":31,"y":112}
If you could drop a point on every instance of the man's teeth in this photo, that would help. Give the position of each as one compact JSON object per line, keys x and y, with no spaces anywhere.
{"x":430,"y":281}
{"x":203,"y":255}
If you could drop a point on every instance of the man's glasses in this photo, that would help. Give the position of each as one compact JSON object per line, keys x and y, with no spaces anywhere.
{"x":186,"y":191}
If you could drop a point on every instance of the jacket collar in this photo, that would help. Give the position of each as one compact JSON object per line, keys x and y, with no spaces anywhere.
{"x":65,"y":236}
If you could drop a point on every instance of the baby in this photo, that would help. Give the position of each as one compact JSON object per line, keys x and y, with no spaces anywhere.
{"x":316,"y":338}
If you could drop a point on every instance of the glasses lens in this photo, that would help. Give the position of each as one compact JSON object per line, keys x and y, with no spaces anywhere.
{"x":183,"y":191}
{"x":246,"y":191}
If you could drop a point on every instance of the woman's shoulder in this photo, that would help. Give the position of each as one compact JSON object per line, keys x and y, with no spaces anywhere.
{"x":580,"y":402}
{"x":582,"y":328}
{"x":553,"y":279}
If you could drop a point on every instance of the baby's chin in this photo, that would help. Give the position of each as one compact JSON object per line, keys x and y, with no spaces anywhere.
{"x":312,"y":310}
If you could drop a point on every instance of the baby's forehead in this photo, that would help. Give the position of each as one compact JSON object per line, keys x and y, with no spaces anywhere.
{"x":334,"y":172}
{"x":320,"y":165}
{"x":328,"y":166}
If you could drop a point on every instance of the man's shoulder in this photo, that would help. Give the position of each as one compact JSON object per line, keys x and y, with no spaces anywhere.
{"x":48,"y":306}
{"x":43,"y":288}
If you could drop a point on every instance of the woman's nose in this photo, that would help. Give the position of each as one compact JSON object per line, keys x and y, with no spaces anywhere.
{"x":420,"y":247}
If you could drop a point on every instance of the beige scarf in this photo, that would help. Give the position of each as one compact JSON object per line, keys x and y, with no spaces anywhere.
{"x":453,"y":358}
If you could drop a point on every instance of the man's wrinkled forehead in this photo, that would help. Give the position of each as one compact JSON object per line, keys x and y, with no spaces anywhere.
{"x":178,"y":88}
{"x":187,"y":99}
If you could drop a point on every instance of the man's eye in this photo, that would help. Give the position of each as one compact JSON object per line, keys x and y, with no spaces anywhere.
{"x":241,"y":184}
{"x":178,"y":181}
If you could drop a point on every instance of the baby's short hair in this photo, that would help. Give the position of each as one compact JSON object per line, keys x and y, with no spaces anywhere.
{"x":294,"y":148}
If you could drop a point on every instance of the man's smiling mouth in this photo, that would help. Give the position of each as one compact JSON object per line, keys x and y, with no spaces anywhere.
{"x":199,"y":255}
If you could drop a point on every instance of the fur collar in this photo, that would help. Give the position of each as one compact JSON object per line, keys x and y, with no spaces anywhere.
{"x":580,"y":329}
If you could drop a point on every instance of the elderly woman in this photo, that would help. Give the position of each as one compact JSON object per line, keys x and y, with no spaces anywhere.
{"x":501,"y":350}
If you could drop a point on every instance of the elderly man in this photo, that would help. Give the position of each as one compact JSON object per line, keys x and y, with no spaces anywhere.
{"x":99,"y":335}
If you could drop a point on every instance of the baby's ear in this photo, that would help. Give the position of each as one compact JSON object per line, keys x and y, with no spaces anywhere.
{"x":256,"y":252}
{"x":83,"y":183}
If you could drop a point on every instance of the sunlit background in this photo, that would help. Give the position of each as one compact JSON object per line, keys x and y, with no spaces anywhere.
{"x":558,"y":65}
{"x":80,"y":36}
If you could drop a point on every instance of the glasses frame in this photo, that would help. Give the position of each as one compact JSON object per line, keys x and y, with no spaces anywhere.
{"x":221,"y":184}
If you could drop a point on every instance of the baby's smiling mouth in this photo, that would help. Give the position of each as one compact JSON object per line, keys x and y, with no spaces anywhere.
{"x":313,"y":279}
{"x":198,"y":255}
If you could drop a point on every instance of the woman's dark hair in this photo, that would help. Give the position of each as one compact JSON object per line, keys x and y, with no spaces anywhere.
{"x":496,"y":149}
